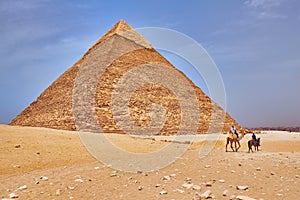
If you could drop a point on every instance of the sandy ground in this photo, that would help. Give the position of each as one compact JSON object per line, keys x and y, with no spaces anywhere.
{"x":27,"y":154}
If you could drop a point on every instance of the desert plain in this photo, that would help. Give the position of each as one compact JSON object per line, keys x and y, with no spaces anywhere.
{"x":41,"y":163}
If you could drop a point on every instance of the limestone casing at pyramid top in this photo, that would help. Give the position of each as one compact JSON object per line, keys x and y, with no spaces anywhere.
{"x":125,"y":30}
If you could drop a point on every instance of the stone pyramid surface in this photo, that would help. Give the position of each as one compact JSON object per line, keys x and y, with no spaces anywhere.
{"x":122,"y":83}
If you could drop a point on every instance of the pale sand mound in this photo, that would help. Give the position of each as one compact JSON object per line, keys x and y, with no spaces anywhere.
{"x":272,"y":173}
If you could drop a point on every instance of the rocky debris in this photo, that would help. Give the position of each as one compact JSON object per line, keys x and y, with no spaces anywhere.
{"x":207,"y":184}
{"x":225,"y":193}
{"x":232,"y":197}
{"x":179,"y":191}
{"x":221,"y":181}
{"x":258,"y":169}
{"x":17,"y":146}
{"x":196,"y":187}
{"x":188,"y":179}
{"x":13,"y":195}
{"x":240,"y":164}
{"x":167,"y":178}
{"x":163,"y":192}
{"x":113,"y":175}
{"x":297,"y":176}
{"x":157,"y":185}
{"x":57,"y":192}
{"x":272,"y":173}
{"x":96,"y":168}
{"x":44,"y":178}
{"x":16,"y":166}
{"x":172,"y":175}
{"x":140,"y":187}
{"x":187,"y":185}
{"x":79,"y":180}
{"x":207,"y":194}
{"x":241,"y":197}
{"x":23,"y":187}
{"x":71,"y":187}
{"x":242,"y":187}
{"x":207,"y":166}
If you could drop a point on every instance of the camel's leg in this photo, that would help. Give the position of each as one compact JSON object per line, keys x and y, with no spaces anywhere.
{"x":250,"y":146}
{"x":231,"y":145}
{"x":238,"y":146}
{"x":235,"y":146}
{"x":227,"y":141}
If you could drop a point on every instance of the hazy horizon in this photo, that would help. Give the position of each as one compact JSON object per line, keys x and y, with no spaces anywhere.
{"x":254,"y":43}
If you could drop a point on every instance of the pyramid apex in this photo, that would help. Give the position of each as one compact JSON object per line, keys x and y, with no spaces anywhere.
{"x":121,"y":26}
{"x":123,"y":29}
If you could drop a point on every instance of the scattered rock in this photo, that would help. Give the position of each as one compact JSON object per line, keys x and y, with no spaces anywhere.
{"x":187,"y":185}
{"x":71,"y":187}
{"x":240,"y":164}
{"x":97,"y":168}
{"x":280,"y":195}
{"x":23,"y":187}
{"x":139,"y":172}
{"x":297,"y":176}
{"x":140,"y":187}
{"x":188,"y":179}
{"x":207,"y":166}
{"x":57,"y":192}
{"x":157,"y":185}
{"x":258,"y":169}
{"x":179,"y":190}
{"x":17,"y":146}
{"x":172,"y":175}
{"x":221,"y":181}
{"x":37,"y":182}
{"x":44,"y":178}
{"x":241,"y":187}
{"x":163,"y":192}
{"x":13,"y":195}
{"x":113,"y":175}
{"x":136,"y":181}
{"x":79,"y":180}
{"x":225,"y":193}
{"x":207,"y":184}
{"x":232,"y":197}
{"x":232,"y":171}
{"x":206,"y":194}
{"x":196,"y":187}
{"x":272,"y":173}
{"x":167,"y":178}
{"x":16,"y":166}
{"x":241,"y":197}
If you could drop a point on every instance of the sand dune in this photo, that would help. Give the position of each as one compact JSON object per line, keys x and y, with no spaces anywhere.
{"x":27,"y":154}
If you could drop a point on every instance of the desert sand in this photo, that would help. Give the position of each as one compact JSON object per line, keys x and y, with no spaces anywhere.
{"x":41,"y":163}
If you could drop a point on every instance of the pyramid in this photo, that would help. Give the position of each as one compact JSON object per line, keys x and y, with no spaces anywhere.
{"x":122,"y":84}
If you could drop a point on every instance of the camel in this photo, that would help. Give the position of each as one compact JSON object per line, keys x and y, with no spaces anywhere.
{"x":255,"y":144}
{"x":232,"y":138}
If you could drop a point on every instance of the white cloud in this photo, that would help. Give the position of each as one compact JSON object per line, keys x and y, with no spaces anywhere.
{"x":265,"y":9}
{"x":264,"y":4}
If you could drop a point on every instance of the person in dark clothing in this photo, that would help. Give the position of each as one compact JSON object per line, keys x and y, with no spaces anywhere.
{"x":254,"y":138}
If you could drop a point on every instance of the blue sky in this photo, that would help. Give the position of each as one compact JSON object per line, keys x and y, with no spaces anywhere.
{"x":254,"y":43}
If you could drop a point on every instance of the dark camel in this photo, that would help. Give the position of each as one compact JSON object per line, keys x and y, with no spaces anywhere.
{"x":255,"y":144}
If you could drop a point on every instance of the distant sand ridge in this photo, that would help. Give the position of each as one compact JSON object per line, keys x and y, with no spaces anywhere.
{"x":54,"y":108}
